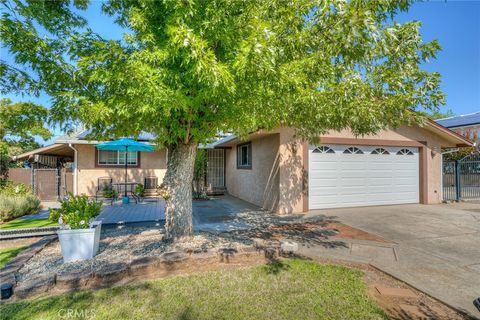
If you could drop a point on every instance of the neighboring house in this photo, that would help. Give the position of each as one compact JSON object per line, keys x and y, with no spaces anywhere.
{"x":278,"y":172}
{"x":88,"y":165}
{"x":468,"y":125}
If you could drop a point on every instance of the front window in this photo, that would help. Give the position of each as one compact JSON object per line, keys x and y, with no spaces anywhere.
{"x":106,"y":157}
{"x":244,"y":156}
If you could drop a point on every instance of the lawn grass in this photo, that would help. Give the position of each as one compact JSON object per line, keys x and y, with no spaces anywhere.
{"x":293,"y":289}
{"x":33,"y":223}
{"x":8,"y":254}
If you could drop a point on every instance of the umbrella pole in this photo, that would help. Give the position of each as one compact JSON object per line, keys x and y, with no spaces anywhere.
{"x":126,"y":175}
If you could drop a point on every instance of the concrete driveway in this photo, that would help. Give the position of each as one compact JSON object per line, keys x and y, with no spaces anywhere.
{"x":435,"y":248}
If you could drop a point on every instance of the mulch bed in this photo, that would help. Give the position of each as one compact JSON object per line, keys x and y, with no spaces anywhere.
{"x":317,"y":230}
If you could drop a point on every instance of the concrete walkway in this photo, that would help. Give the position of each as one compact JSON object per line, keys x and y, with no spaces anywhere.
{"x":435,"y":249}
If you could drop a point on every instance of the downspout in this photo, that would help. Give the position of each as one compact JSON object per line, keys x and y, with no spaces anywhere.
{"x":75,"y":169}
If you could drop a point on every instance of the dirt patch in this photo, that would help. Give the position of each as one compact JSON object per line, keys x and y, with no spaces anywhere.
{"x":320,"y":229}
{"x":419,"y":307}
{"x":346,"y":232}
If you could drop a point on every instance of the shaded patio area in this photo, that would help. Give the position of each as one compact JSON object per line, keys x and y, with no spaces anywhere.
{"x":219,"y":214}
{"x":222,"y":214}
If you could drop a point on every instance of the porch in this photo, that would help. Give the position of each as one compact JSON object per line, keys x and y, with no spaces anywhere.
{"x":219,"y":214}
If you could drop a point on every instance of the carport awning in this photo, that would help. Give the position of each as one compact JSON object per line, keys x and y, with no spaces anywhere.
{"x":60,"y":150}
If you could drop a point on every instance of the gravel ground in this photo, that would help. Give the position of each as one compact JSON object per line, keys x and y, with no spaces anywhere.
{"x":129,"y":243}
{"x":123,"y":245}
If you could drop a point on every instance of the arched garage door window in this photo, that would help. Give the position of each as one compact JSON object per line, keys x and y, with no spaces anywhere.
{"x":353,"y":150}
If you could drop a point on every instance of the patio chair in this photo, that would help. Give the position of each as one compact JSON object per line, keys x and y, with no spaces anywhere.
{"x":102,"y":184}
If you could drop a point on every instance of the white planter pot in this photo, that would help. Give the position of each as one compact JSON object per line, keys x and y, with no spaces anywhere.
{"x":80,"y":244}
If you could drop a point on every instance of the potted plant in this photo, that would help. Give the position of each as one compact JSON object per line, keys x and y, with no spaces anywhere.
{"x":79,"y":234}
{"x":109,"y":192}
{"x":139,"y":192}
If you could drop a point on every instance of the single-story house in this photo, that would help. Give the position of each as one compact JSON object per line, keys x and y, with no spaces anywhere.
{"x":276,"y":171}
{"x":468,"y":125}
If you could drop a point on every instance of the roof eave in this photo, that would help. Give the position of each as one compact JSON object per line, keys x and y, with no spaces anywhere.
{"x":460,"y":140}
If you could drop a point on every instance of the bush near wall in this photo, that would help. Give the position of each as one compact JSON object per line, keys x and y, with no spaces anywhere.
{"x":17,"y":201}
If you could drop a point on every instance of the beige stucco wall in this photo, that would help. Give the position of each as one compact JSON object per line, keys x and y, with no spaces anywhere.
{"x":287,"y":156}
{"x":151,"y":164}
{"x":258,"y":185}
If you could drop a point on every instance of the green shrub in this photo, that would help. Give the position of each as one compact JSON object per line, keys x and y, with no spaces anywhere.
{"x":9,"y":188}
{"x":109,"y":192}
{"x":78,"y":212}
{"x":13,"y":206}
{"x":139,"y":190}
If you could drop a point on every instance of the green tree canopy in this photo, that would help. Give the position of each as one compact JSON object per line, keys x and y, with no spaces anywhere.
{"x":186,"y":70}
{"x":20,"y":123}
{"x":439,"y":114}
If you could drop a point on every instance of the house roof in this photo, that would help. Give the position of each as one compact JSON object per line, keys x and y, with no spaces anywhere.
{"x":460,"y":121}
{"x":60,"y":145}
{"x":447,"y":134}
{"x":80,"y":137}
{"x":56,"y":149}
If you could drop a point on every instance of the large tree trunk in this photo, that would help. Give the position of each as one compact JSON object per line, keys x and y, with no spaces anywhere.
{"x":178,"y":187}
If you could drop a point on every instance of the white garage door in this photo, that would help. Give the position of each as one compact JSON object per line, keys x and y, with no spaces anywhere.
{"x":353,"y":176}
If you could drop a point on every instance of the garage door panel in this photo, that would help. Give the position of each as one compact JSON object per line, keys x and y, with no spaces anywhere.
{"x":385,"y":166}
{"x":326,"y":165}
{"x":405,"y":181}
{"x":380,"y":187}
{"x":349,"y":180}
{"x":346,"y":190}
{"x":350,"y":165}
{"x":380,"y":174}
{"x":352,"y":182}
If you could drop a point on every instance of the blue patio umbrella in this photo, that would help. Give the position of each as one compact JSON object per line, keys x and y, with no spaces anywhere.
{"x":125,"y":145}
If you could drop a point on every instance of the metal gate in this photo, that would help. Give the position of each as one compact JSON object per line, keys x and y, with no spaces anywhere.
{"x":66,"y":182}
{"x":216,"y":169}
{"x":461,"y":178}
{"x":46,"y":184}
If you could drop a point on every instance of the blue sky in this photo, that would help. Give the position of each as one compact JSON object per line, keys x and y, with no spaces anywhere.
{"x":456,"y":24}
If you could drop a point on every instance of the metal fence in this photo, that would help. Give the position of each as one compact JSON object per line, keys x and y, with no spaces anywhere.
{"x":461,"y":178}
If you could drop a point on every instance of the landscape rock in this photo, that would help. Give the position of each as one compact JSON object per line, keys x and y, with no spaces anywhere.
{"x":259,"y":243}
{"x":8,"y":278}
{"x":287,"y":246}
{"x":74,"y":279}
{"x":173,"y":256}
{"x":226,"y":254}
{"x":7,"y":270}
{"x":271,"y":253}
{"x":35,"y":286}
{"x":110,"y":274}
{"x":145,"y":266}
{"x":204,"y":254}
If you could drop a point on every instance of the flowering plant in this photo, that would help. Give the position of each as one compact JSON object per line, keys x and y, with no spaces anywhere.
{"x":77,"y":212}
